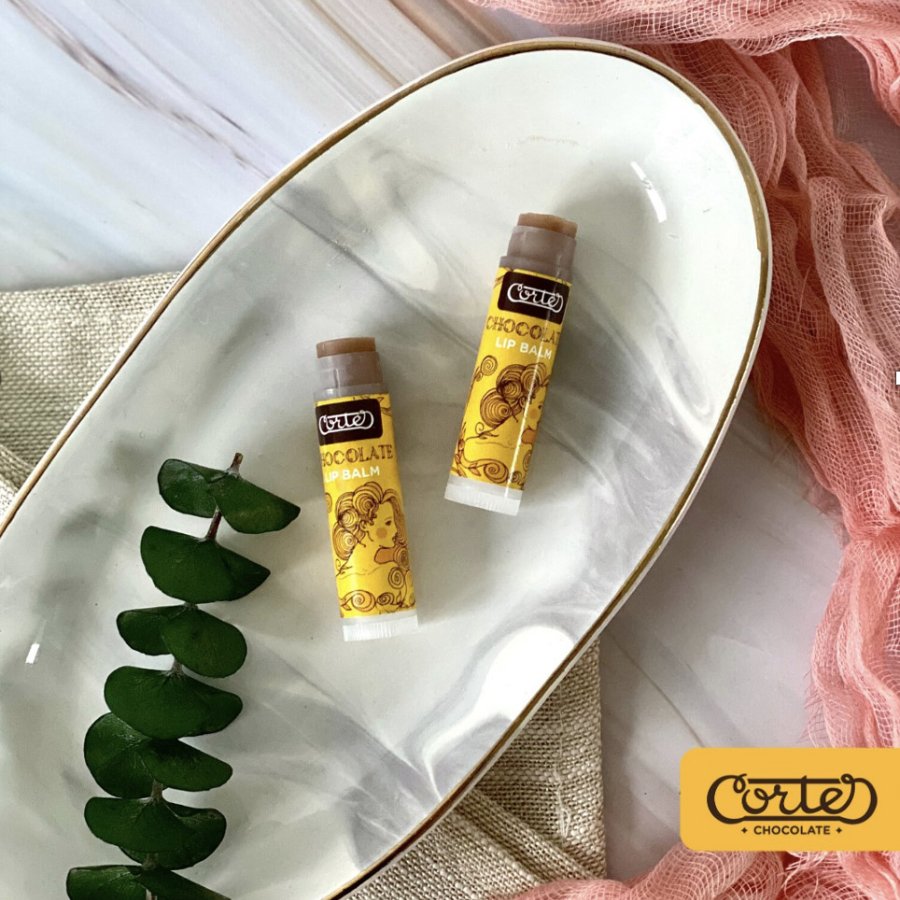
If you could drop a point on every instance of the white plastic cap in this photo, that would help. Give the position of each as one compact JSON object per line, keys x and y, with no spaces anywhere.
{"x":370,"y":628}
{"x":492,"y":497}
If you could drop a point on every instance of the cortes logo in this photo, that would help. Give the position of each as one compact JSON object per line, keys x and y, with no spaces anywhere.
{"x":358,"y":419}
{"x":790,"y":799}
{"x":348,"y":421}
{"x":536,"y":296}
{"x":550,"y":300}
{"x":737,"y":798}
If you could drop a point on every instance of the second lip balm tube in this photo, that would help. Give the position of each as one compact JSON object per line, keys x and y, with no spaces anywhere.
{"x":515,"y":359}
{"x":362,"y":491}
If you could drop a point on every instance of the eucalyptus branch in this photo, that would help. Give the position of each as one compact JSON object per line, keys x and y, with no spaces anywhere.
{"x":156,"y":791}
{"x":135,"y":751}
{"x":213,"y":529}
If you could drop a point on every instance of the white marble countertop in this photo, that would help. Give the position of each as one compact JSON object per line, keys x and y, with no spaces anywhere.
{"x":131,"y":131}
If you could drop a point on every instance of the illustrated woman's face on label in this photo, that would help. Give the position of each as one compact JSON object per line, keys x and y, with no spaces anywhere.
{"x":536,"y":407}
{"x":384,"y":527}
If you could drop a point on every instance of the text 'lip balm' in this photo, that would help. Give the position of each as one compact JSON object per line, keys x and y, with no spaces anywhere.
{"x":515,"y":359}
{"x":367,"y":525}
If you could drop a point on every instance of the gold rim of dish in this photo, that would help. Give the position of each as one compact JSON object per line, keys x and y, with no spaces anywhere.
{"x":757,"y":203}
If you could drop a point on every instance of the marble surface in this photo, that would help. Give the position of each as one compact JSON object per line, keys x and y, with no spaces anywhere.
{"x":132,"y":131}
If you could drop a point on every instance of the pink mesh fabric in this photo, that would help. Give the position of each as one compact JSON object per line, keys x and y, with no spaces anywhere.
{"x":825,"y":370}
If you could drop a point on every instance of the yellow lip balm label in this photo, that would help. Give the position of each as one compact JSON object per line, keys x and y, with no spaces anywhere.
{"x":515,"y":360}
{"x":365,"y":505}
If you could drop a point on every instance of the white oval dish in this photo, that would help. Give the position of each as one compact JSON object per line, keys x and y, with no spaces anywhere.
{"x":392,"y":226}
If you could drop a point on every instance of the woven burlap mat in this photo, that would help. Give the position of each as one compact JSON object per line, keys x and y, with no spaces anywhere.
{"x":536,"y":815}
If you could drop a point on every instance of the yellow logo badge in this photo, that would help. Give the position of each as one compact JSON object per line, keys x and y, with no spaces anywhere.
{"x":800,"y":798}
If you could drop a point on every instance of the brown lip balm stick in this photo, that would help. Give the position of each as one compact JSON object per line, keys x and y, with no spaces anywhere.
{"x":366,"y":520}
{"x":515,"y":360}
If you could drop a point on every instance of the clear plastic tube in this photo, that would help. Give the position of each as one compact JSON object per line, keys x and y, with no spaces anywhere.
{"x":366,"y":520}
{"x":515,"y":360}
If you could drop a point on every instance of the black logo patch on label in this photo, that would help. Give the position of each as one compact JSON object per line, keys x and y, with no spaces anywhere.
{"x":533,"y":295}
{"x":349,"y":420}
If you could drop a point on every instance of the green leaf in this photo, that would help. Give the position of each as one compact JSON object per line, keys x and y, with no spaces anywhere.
{"x":185,"y":487}
{"x":153,"y":826}
{"x":141,"y":628}
{"x":169,"y":886}
{"x":202,"y":829}
{"x":105,"y":883}
{"x":125,"y":763}
{"x":112,"y":751}
{"x":197,"y":570}
{"x":198,"y":491}
{"x":183,"y":767}
{"x":132,"y":883}
{"x":165,"y":705}
{"x":248,"y":508}
{"x":205,"y":644}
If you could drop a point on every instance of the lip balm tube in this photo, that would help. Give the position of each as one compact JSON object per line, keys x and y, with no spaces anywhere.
{"x":363,"y":499}
{"x":515,"y":359}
